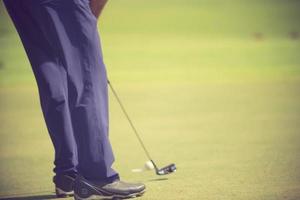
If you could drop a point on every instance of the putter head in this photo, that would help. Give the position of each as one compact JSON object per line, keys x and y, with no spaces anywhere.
{"x":166,"y":170}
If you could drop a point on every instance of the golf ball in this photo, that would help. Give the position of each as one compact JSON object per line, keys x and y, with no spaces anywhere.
{"x":149,"y":165}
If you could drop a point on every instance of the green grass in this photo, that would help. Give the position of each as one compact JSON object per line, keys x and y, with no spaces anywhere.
{"x":202,"y":90}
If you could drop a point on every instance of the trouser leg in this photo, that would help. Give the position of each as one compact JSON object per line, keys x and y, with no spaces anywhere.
{"x":72,"y":28}
{"x":51,"y":79}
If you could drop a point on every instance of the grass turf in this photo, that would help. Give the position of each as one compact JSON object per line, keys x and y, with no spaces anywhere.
{"x":202,"y":89}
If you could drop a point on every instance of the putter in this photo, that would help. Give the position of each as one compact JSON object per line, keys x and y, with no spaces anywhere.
{"x":159,"y":171}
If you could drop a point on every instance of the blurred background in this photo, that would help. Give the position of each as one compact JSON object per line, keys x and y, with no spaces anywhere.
{"x":212,"y":85}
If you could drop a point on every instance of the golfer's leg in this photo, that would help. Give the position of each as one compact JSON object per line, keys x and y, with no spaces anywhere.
{"x":88,"y":88}
{"x":72,"y":28}
{"x":51,"y":78}
{"x":89,"y":92}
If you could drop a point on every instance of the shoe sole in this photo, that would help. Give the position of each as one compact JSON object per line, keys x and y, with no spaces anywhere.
{"x":63,"y":194}
{"x":99,"y":197}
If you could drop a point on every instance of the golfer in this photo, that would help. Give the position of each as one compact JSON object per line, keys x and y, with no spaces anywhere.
{"x":62,"y":43}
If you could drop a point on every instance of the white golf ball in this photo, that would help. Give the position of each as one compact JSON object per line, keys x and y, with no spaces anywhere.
{"x":149,"y":165}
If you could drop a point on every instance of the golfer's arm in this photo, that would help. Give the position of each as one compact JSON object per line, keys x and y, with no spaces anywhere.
{"x":97,"y":7}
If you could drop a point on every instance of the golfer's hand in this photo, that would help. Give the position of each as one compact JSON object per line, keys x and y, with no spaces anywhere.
{"x":97,"y":7}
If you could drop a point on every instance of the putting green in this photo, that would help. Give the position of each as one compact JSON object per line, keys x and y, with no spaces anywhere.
{"x":211,"y":85}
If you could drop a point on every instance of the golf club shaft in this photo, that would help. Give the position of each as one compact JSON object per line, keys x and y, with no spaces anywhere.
{"x":130,"y":122}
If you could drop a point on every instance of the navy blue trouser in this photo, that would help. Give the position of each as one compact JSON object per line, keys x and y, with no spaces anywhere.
{"x":61,"y":40}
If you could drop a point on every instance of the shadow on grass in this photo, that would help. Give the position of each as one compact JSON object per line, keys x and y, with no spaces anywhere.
{"x":157,"y":179}
{"x":30,"y":197}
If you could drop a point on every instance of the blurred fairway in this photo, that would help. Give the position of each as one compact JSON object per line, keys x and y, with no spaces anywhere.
{"x":212,"y":85}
